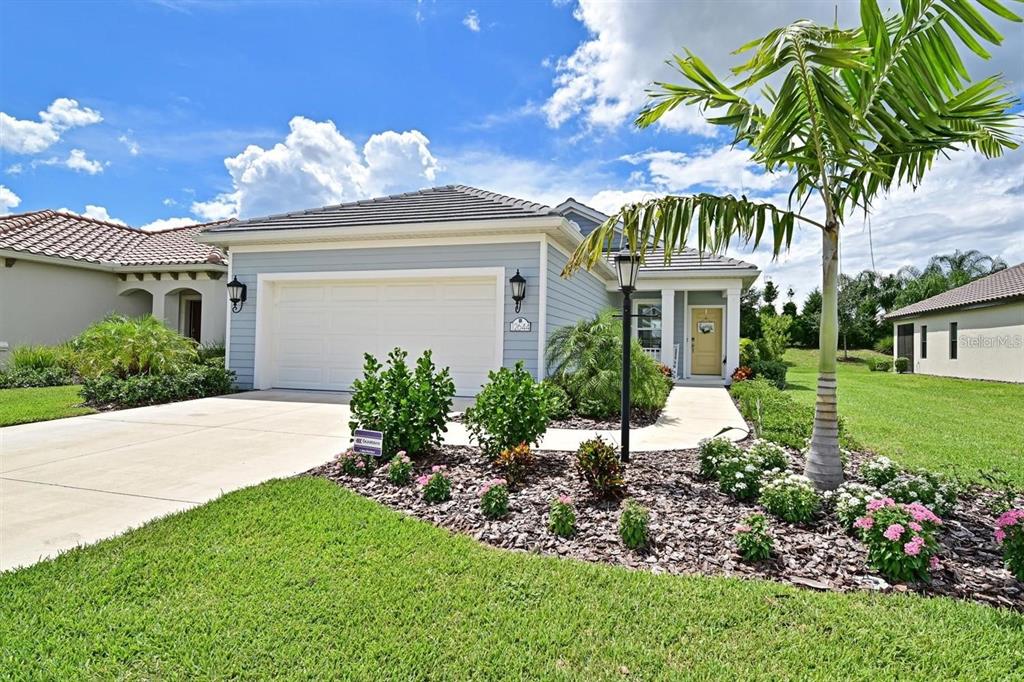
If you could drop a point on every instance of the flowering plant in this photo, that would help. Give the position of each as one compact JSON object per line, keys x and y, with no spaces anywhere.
{"x":634,"y":525}
{"x":900,"y":538}
{"x":851,"y":501}
{"x":562,"y":517}
{"x":400,"y":469}
{"x":436,"y":487}
{"x":494,"y":498}
{"x":1010,"y":534}
{"x":752,"y":538}
{"x":791,"y":497}
{"x":927,"y":488}
{"x":353,"y":464}
{"x":769,"y":455}
{"x":879,"y":471}
{"x":739,"y":475}
{"x":711,"y":451}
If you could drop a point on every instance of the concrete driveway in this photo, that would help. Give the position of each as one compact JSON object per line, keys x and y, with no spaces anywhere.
{"x":73,"y":481}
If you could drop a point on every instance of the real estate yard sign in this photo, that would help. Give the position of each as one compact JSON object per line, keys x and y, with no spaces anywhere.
{"x":366,"y":442}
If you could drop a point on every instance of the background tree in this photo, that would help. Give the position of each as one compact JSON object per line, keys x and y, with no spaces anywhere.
{"x":770,"y":293}
{"x":750,"y":313}
{"x":857,"y":112}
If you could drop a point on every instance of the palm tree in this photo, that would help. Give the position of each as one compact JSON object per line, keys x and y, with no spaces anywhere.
{"x":859,"y":111}
{"x":962,"y":267}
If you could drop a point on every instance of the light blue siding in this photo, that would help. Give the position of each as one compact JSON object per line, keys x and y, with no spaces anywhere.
{"x":522,"y":256}
{"x":569,"y":300}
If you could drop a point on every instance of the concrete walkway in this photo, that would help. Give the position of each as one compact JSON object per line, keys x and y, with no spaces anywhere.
{"x":75,"y":481}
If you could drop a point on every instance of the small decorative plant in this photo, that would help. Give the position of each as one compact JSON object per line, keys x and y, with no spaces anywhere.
{"x":927,"y":488}
{"x":353,"y":464}
{"x":634,"y":525}
{"x":769,"y":455}
{"x":515,"y":462}
{"x":851,"y":501}
{"x":739,"y":475}
{"x":400,"y":469}
{"x":790,"y":497}
{"x":900,"y":539}
{"x":902,"y":364}
{"x":512,"y":408}
{"x":711,"y":451}
{"x":1010,"y":535}
{"x":1005,"y":489}
{"x":598,"y":463}
{"x":562,"y":517}
{"x":879,"y":471}
{"x":752,"y":539}
{"x":436,"y":487}
{"x":494,"y":498}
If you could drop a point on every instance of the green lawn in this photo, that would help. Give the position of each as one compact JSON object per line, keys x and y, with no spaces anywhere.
{"x":23,"y":405}
{"x":954,"y":425}
{"x":303,"y":579}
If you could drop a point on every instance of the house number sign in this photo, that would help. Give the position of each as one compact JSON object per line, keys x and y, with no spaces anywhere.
{"x":520,"y":324}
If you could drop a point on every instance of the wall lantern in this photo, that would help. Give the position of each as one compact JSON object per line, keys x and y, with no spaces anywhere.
{"x":236,"y":294}
{"x":518,"y":283}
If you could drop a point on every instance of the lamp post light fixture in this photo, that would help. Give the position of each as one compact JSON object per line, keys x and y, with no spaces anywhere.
{"x":627,"y":266}
{"x":236,"y":294}
{"x":518,"y":283}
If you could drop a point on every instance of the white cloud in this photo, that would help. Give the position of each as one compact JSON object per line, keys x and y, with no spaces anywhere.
{"x":128,"y":141}
{"x":166,"y":224}
{"x":32,"y":137}
{"x":14,"y":169}
{"x":76,"y":161}
{"x":725,"y":169}
{"x":169,"y":202}
{"x":100,"y":213}
{"x":472,"y":21}
{"x":316,"y":165}
{"x":8,"y":200}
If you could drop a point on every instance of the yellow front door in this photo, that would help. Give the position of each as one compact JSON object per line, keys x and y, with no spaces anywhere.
{"x":706,"y":341}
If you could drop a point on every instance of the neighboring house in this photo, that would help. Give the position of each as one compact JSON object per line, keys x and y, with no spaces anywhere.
{"x":61,"y":272}
{"x":975,"y":331}
{"x":431,"y":269}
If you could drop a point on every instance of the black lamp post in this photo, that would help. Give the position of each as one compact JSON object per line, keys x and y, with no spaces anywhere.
{"x":236,"y":294}
{"x":518,"y":283}
{"x":627,"y":265}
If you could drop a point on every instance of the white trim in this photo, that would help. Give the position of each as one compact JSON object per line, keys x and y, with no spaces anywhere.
{"x":582,"y":209}
{"x":388,"y":243}
{"x":645,"y":301}
{"x":683,"y":283}
{"x":721,"y":335}
{"x":668,"y":328}
{"x":542,"y":309}
{"x":686,"y":334}
{"x":263,"y":355}
{"x":227,"y":320}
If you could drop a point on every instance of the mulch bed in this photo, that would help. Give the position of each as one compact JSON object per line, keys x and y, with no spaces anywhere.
{"x":692,"y":526}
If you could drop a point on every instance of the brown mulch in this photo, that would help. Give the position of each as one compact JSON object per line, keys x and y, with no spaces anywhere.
{"x":692,"y":526}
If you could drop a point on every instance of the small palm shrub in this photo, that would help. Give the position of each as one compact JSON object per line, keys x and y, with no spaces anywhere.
{"x":850,"y":501}
{"x":711,"y":451}
{"x":511,"y":409}
{"x":400,"y":469}
{"x":124,"y":347}
{"x":562,"y":517}
{"x":790,"y":497}
{"x":598,"y":464}
{"x":752,"y":539}
{"x":494,"y":498}
{"x":634,"y":525}
{"x":516,"y":462}
{"x":879,"y":471}
{"x":40,"y":358}
{"x":211,"y":351}
{"x":586,"y":359}
{"x":900,"y":539}
{"x":559,"y":403}
{"x":884,"y":345}
{"x":1010,"y":536}
{"x":435,"y":487}
{"x":410,"y":406}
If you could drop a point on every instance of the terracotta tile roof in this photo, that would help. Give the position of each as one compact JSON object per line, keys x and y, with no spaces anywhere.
{"x":1003,"y":285}
{"x":67,"y":235}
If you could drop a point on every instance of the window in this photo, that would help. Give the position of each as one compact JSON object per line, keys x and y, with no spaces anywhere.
{"x":924,"y":341}
{"x":648,"y":326}
{"x":952,"y":340}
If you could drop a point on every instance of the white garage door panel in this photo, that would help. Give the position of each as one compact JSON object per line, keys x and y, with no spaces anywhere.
{"x":321,"y":329}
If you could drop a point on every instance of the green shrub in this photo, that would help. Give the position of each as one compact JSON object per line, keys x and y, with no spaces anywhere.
{"x":711,"y":452}
{"x":400,"y":469}
{"x":777,"y":417}
{"x":39,"y":358}
{"x":748,"y":352}
{"x":790,"y":497}
{"x":194,"y":381}
{"x":900,"y":539}
{"x":124,"y":347}
{"x":768,"y":455}
{"x":752,"y":539}
{"x":634,"y":525}
{"x":774,"y":336}
{"x":851,"y":501}
{"x":35,"y":378}
{"x":771,"y":370}
{"x":511,"y":409}
{"x":739,"y":475}
{"x":435,"y":486}
{"x":902,"y":364}
{"x":884,"y":345}
{"x":562,"y":517}
{"x":879,"y":471}
{"x":931,"y":490}
{"x":598,"y":464}
{"x":515,"y":462}
{"x":409,"y":407}
{"x":494,"y":499}
{"x":210,"y":351}
{"x":586,"y":359}
{"x":559,"y":403}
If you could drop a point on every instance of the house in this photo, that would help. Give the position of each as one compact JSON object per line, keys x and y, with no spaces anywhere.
{"x":975,"y":331}
{"x":62,"y":271}
{"x":432,"y":269}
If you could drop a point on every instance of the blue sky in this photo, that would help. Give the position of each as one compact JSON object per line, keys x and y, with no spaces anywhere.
{"x":345,"y":101}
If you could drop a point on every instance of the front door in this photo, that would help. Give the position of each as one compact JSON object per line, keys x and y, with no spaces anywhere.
{"x":706,"y":341}
{"x":905,"y":344}
{"x":193,"y":319}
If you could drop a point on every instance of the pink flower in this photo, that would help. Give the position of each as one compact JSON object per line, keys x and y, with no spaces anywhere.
{"x":922,"y":513}
{"x":1000,"y":536}
{"x":913,"y":548}
{"x":742,"y":528}
{"x":437,"y":468}
{"x":423,"y":480}
{"x":915,"y":526}
{"x":934,"y":564}
{"x":864,"y":522}
{"x":1010,"y":518}
{"x":893,"y":532}
{"x":565,"y":499}
{"x":400,"y":453}
{"x":874,"y":505}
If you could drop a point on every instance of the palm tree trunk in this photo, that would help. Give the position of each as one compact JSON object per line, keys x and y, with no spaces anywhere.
{"x":824,"y":465}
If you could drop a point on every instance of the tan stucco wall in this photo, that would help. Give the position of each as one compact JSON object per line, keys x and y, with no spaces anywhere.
{"x":990,"y":343}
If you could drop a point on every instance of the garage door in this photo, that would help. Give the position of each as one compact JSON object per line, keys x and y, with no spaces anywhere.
{"x":321,"y":329}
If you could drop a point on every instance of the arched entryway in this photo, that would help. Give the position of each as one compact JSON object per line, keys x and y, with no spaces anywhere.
{"x":183,"y":308}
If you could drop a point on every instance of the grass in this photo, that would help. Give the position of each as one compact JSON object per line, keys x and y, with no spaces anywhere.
{"x":24,"y":405}
{"x":958,"y":426}
{"x":303,"y":579}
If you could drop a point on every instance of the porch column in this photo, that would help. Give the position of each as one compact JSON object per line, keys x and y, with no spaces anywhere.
{"x":159,"y":301}
{"x":732,"y":331}
{"x":668,"y":328}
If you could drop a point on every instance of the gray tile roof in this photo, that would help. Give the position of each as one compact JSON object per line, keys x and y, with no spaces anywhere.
{"x":692,"y":260}
{"x":1004,"y":285}
{"x":450,"y":203}
{"x":68,"y":235}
